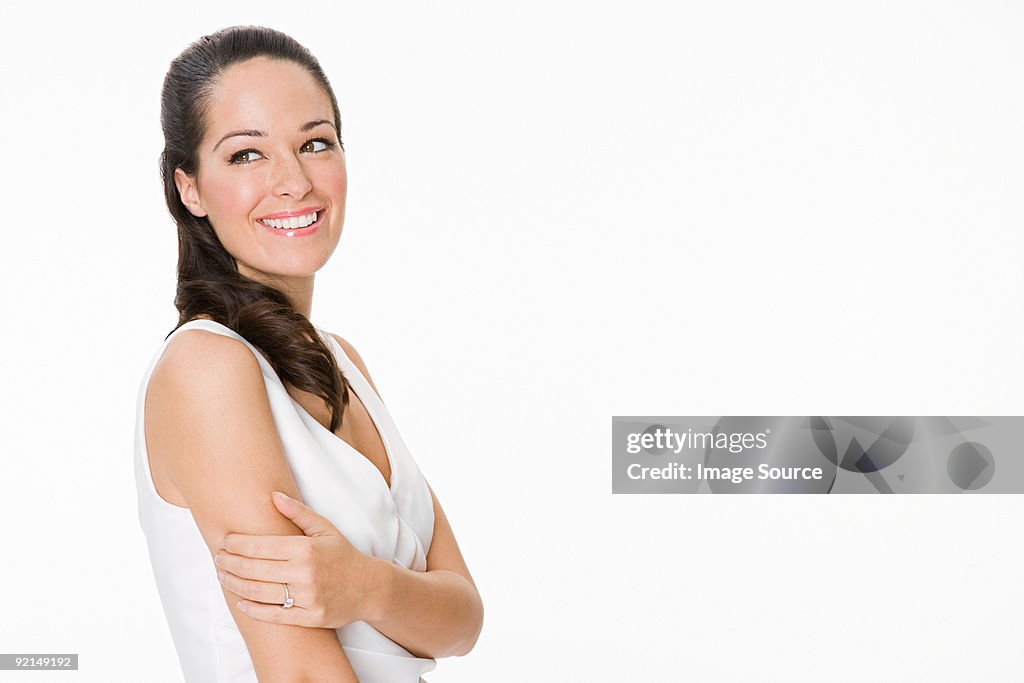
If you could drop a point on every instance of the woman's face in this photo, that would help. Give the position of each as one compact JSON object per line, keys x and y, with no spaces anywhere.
{"x":271,"y":177}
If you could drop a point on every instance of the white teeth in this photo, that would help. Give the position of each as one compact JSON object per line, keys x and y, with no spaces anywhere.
{"x":290,"y":223}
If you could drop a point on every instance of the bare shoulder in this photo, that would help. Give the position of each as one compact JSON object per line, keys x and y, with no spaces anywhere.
{"x":194,"y":353}
{"x":351,"y":352}
{"x":197,"y":369}
{"x":200,"y":375}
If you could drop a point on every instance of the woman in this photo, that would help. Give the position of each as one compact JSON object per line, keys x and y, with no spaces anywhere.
{"x":247,"y":400}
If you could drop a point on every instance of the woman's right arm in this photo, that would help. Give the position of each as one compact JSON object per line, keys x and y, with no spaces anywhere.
{"x":210,"y":429}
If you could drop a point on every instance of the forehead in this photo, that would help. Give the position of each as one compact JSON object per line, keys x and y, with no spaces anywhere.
{"x":276,"y":96}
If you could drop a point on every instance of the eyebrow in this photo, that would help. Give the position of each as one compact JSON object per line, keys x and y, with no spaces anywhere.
{"x":252,"y":133}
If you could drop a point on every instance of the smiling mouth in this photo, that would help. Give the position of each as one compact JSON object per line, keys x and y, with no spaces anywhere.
{"x":292,"y":222}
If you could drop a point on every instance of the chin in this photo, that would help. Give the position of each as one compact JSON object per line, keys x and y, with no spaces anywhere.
{"x":299,"y":269}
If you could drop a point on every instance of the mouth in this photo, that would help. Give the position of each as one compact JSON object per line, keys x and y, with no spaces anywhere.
{"x":293,"y":223}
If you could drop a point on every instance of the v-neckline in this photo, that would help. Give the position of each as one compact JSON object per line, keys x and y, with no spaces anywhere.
{"x":369,"y":411}
{"x":390,"y":486}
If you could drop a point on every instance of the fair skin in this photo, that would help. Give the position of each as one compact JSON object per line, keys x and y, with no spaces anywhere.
{"x":270,"y":147}
{"x":431,"y":614}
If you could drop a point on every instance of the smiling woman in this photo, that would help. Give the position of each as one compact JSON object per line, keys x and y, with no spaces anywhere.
{"x":246,"y":397}
{"x":286,"y":174}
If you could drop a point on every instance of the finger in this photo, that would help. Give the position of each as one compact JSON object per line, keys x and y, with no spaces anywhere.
{"x":274,"y":614}
{"x":258,"y":591}
{"x":266,"y":547}
{"x":255,"y":570}
{"x":304,"y":517}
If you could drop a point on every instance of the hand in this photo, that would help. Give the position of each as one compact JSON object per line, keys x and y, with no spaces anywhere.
{"x":331,"y":582}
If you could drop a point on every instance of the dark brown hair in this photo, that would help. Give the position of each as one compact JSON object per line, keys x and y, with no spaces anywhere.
{"x":208,"y":278}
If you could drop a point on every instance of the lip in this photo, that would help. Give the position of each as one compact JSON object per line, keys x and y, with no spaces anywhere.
{"x":291,"y":214}
{"x":310,"y":229}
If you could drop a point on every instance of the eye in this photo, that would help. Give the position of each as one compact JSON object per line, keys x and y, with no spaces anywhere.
{"x":317,"y":145}
{"x":246,"y":156}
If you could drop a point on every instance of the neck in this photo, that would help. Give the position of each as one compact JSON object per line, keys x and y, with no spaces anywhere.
{"x":298,"y":290}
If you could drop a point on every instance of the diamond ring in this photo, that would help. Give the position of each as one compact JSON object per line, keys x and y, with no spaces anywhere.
{"x":288,"y":601}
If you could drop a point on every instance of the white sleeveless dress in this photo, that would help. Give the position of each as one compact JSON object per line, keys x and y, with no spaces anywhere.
{"x":334,"y":479}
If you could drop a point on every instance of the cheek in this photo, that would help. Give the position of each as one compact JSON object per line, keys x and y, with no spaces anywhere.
{"x":336,"y":183}
{"x":232,"y":199}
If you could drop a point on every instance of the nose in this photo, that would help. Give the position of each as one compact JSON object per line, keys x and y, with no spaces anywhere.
{"x":289,"y":178}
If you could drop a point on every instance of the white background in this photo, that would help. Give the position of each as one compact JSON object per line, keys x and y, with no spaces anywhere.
{"x":560,"y":212}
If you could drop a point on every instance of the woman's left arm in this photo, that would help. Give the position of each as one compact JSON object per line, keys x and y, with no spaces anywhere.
{"x":436,"y":613}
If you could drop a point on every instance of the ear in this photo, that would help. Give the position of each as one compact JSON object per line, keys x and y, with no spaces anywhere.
{"x":189,"y":192}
